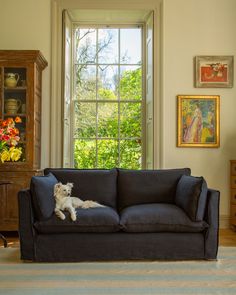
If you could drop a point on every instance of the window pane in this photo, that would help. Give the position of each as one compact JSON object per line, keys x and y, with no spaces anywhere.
{"x":107,"y":46}
{"x":130,"y":46}
{"x":84,"y":153}
{"x":107,"y":82}
{"x":85,"y":82}
{"x":84,"y":120}
{"x":130,"y":82}
{"x":108,"y":120}
{"x":85,"y":44}
{"x":130,"y":120}
{"x":107,"y":153}
{"x":131,"y":154}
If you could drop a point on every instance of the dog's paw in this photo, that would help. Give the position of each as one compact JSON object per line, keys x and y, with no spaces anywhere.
{"x":73,"y":217}
{"x":61,"y":216}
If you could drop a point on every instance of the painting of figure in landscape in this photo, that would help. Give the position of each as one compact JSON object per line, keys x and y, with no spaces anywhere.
{"x":198,"y":121}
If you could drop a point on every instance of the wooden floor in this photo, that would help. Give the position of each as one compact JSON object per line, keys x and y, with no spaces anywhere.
{"x":227,"y":238}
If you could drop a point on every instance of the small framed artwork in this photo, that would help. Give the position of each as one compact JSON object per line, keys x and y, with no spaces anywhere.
{"x":214,"y":71}
{"x":198,"y":121}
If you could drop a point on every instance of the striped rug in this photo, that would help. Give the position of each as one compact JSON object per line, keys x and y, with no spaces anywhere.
{"x":148,"y":277}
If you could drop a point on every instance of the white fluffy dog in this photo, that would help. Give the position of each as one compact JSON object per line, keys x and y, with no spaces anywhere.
{"x":64,"y":201}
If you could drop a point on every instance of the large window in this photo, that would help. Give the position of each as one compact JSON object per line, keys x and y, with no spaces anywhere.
{"x":107,"y":97}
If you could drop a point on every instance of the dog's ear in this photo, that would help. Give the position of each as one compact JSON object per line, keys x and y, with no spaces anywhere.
{"x":57,"y":187}
{"x":69,"y":184}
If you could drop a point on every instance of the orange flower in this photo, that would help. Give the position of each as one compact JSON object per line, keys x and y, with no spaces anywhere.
{"x":18,"y":120}
{"x":9,"y":121}
{"x":13,"y":132}
{"x":16,"y":131}
{"x":4,"y":123}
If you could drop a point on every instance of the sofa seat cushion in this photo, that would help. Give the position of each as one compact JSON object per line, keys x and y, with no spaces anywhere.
{"x":158,"y":218}
{"x":96,"y":220}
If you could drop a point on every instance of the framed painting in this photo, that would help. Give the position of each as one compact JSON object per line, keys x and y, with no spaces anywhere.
{"x":198,"y":121}
{"x":214,"y":71}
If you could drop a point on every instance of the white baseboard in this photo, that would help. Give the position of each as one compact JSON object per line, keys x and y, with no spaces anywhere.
{"x":224,"y":221}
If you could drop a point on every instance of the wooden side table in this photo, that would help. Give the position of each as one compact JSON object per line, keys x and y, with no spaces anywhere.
{"x":4,"y":240}
{"x":233,"y":194}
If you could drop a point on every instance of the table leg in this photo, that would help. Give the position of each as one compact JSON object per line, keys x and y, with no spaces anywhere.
{"x":4,"y":240}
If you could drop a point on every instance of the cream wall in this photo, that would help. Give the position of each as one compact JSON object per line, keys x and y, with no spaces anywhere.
{"x":189,"y":28}
{"x":26,"y":24}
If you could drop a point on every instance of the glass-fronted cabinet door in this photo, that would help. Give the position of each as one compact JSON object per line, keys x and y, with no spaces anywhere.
{"x":14,"y":114}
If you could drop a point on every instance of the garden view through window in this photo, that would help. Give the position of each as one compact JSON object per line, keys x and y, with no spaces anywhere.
{"x":107,"y":124}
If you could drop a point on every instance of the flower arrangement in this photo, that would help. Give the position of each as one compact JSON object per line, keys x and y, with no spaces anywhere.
{"x":9,"y":138}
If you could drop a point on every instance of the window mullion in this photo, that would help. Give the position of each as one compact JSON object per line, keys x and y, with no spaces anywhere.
{"x":118,"y":93}
{"x":96,"y":98}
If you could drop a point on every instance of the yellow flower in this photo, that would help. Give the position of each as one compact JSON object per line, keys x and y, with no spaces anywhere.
{"x":5,"y":156}
{"x":15,"y":153}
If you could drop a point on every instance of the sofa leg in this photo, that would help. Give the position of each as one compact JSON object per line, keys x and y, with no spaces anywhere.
{"x":4,"y":240}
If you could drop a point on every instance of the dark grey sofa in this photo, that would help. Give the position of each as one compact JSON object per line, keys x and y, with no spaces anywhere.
{"x":149,"y":214}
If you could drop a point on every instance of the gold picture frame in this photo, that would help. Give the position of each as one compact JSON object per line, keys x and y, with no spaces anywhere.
{"x":198,"y":121}
{"x":214,"y":71}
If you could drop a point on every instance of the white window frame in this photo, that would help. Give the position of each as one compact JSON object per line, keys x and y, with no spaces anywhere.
{"x":118,"y":101}
{"x":56,"y":106}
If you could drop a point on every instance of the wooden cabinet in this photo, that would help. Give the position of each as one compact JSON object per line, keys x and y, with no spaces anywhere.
{"x":20,"y":96}
{"x":233,"y":193}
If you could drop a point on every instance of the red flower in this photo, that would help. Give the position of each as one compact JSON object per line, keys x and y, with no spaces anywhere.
{"x":5,"y":137}
{"x":15,"y":131}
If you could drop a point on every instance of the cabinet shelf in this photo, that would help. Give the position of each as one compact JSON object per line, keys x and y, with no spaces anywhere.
{"x":15,"y":89}
{"x":14,"y":115}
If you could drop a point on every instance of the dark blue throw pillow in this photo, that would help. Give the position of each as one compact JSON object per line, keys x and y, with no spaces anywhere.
{"x":42,"y":188}
{"x":191,"y":196}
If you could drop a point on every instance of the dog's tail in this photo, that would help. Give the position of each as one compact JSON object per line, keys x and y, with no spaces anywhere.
{"x":91,"y":204}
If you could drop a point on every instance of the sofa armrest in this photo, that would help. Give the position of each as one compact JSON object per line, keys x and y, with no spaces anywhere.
{"x":212,"y":218}
{"x":26,"y":220}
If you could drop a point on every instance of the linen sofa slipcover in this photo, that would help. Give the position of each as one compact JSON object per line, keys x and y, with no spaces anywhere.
{"x":149,"y":214}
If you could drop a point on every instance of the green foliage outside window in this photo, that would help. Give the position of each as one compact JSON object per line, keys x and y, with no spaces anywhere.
{"x":108,"y":149}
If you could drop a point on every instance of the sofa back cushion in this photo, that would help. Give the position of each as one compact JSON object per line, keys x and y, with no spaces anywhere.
{"x":97,"y":185}
{"x":191,"y":196}
{"x":148,"y":186}
{"x":42,"y":189}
